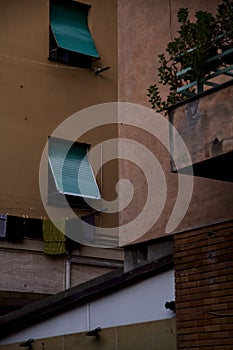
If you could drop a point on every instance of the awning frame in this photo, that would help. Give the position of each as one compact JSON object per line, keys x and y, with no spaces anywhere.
{"x":71,"y":44}
{"x":57,"y":191}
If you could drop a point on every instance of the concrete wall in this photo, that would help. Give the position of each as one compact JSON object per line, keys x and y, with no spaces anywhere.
{"x":27,"y":274}
{"x":205,"y":125}
{"x":144,"y":29}
{"x":150,"y":335}
{"x":141,"y":302}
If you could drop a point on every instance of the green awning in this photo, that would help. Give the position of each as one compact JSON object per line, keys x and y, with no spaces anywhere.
{"x":71,"y":169}
{"x":69,"y":25}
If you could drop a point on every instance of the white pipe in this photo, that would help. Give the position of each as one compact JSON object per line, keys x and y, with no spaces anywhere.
{"x":88,"y":316}
{"x":67,"y":274}
{"x":101,"y":168}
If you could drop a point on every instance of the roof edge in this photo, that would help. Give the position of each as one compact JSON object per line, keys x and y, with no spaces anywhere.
{"x":78,"y":295}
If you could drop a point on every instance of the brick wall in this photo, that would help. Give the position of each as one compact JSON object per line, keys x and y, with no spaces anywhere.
{"x":204,"y":288}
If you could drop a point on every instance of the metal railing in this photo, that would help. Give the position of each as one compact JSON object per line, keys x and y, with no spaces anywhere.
{"x":200,"y":82}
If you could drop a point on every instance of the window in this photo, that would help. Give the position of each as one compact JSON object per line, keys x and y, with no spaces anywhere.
{"x":70,"y":39}
{"x":71,"y":173}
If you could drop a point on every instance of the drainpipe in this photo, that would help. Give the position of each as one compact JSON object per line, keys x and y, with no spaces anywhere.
{"x":88,"y":317}
{"x":67,"y":273}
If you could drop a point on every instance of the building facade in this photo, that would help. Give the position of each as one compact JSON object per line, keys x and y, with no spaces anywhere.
{"x":128,"y":35}
{"x":37,"y":95}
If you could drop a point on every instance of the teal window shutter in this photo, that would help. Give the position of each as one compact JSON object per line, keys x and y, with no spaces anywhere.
{"x":69,"y":26}
{"x":71,"y":169}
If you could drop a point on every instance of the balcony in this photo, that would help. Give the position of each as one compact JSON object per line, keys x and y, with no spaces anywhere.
{"x":205,"y":123}
{"x":204,"y":119}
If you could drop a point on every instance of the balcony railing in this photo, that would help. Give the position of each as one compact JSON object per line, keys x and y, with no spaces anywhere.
{"x":222,"y":63}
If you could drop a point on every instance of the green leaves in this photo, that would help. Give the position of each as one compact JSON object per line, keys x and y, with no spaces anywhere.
{"x":196,"y":42}
{"x":182,"y":15}
{"x":224,"y":17}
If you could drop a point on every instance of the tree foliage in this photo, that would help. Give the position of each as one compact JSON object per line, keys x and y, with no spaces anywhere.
{"x":195,"y":43}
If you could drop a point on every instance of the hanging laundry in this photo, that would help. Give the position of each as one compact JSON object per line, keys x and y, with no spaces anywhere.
{"x":73,"y":231}
{"x":33,"y":228}
{"x":54,"y":239}
{"x":14,"y":228}
{"x":3,"y":218}
{"x":80,"y":230}
{"x":71,"y":245}
{"x":88,"y":230}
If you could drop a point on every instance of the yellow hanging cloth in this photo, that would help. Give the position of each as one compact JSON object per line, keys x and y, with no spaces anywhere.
{"x":54,"y":239}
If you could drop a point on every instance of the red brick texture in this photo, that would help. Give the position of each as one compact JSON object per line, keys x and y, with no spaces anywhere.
{"x":204,"y":288}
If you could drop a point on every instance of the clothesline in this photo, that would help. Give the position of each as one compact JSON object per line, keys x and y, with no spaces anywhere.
{"x":54,"y":235}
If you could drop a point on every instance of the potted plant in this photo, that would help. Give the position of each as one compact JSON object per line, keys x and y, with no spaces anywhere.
{"x":202,"y":49}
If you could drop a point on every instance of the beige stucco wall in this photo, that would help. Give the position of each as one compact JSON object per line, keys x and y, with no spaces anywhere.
{"x":38,"y":94}
{"x":144,"y":29}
